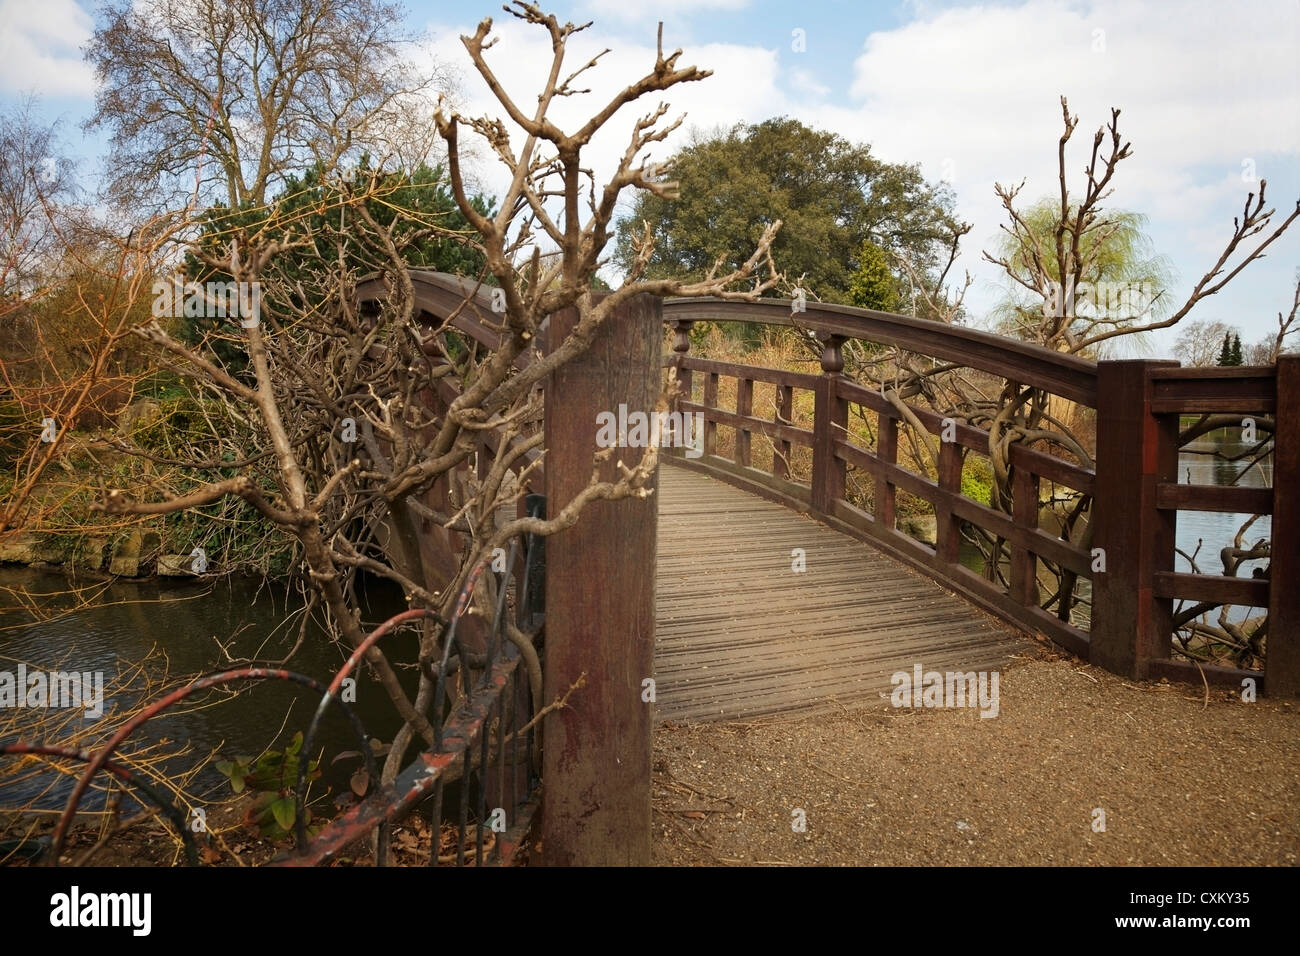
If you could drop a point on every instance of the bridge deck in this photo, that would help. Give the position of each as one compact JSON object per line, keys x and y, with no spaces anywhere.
{"x":739,"y":633}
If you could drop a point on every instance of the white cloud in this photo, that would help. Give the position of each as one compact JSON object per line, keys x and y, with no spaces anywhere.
{"x":801,"y":81}
{"x":40,"y":48}
{"x":1201,"y":86}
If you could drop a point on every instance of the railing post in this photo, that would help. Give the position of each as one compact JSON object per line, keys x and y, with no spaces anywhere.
{"x":885,"y":509}
{"x":744,"y":407}
{"x":1282,"y":654}
{"x":681,"y":346}
{"x":830,"y":421}
{"x":710,"y":401}
{"x":947,"y":534}
{"x":600,"y":603}
{"x":1024,"y":512}
{"x":1135,"y":451}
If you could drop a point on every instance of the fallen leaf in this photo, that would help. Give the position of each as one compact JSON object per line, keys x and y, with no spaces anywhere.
{"x":360,"y":780}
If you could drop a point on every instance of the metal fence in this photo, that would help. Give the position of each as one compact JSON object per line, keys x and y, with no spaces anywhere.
{"x":486,"y":741}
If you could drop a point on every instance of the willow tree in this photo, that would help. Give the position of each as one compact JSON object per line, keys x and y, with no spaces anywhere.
{"x":1115,"y":279}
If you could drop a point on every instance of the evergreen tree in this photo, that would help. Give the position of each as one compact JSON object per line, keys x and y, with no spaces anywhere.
{"x":416,"y":205}
{"x":873,"y":286}
{"x":1225,"y":353}
{"x":1236,"y":350}
{"x":831,"y":194}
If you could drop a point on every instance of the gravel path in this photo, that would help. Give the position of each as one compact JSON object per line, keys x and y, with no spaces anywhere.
{"x":1180,"y":782}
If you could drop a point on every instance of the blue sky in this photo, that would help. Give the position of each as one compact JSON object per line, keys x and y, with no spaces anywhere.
{"x":1210,"y":94}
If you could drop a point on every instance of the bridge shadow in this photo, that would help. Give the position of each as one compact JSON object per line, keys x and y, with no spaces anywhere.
{"x":741,"y":633}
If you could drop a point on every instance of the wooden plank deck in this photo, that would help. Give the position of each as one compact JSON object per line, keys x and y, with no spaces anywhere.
{"x":739,"y":634}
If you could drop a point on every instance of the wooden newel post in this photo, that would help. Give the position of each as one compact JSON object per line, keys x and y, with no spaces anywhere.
{"x":681,"y":346}
{"x":1282,"y":652}
{"x":1136,"y":450}
{"x":600,"y":603}
{"x":830,"y":422}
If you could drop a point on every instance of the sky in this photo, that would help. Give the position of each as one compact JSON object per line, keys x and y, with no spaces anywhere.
{"x":1209,"y":93}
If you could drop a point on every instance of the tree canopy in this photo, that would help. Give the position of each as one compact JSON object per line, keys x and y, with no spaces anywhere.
{"x":226,"y":100}
{"x":832,"y":196}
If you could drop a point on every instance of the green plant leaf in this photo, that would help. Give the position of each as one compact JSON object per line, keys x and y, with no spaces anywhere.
{"x":283,"y":810}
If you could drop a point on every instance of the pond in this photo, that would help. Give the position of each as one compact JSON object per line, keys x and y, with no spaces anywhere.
{"x":199,"y":627}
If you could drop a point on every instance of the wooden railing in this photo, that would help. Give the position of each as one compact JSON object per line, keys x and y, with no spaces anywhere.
{"x":1127,"y":553}
{"x":1141,"y":410}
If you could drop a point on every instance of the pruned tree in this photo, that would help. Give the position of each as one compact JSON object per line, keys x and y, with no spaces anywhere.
{"x":1267,"y":351}
{"x":315,"y":359}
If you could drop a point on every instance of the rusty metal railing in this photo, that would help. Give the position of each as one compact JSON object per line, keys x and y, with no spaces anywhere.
{"x":504,"y":777}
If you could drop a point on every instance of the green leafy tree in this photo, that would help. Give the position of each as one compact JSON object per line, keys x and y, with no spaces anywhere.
{"x":314,"y":211}
{"x":1236,"y":350}
{"x":831,"y":195}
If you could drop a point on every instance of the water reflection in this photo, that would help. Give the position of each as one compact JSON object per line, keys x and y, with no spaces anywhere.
{"x":1202,"y":534}
{"x":200,"y":629}
{"x":1199,"y":465}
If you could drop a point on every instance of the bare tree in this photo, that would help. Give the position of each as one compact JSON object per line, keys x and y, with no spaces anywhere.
{"x":221,"y":100}
{"x":1060,"y":264}
{"x":1286,"y":327}
{"x":36,"y":180}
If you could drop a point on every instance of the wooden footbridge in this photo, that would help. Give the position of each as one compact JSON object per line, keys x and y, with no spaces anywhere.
{"x":765,"y":568}
{"x":769,"y":570}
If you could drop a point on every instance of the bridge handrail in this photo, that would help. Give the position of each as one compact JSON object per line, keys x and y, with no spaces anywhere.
{"x":1069,"y":376}
{"x":463,"y":304}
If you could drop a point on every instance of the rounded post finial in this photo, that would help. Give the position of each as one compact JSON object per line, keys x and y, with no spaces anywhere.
{"x":682,"y":339}
{"x":832,"y":352}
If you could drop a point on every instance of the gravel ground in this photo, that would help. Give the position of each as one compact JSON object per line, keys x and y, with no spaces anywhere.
{"x":1181,"y":781}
